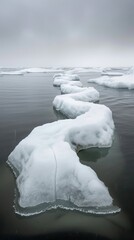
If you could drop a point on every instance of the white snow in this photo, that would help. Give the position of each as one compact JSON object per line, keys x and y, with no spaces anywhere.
{"x":85,"y":70}
{"x":75,"y":104}
{"x":40,"y":70}
{"x":30,"y":70}
{"x":46,"y":161}
{"x":125,"y":81}
{"x":112,"y":73}
{"x":68,"y":88}
{"x":72,"y":79}
{"x":11,"y":72}
{"x":46,"y":174}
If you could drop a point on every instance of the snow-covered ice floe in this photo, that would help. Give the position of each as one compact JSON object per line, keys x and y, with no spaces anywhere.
{"x":19,"y":72}
{"x":85,"y":70}
{"x":49,"y":173}
{"x":125,"y":81}
{"x":30,"y":70}
{"x":71,"y":79}
{"x":40,"y":70}
{"x":75,"y":104}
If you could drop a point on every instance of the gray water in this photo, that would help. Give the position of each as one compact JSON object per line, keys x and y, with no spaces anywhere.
{"x":26,"y":102}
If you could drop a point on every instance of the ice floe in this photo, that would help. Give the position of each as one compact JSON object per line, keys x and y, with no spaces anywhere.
{"x":72,"y":79}
{"x":47,"y":167}
{"x":85,"y":70}
{"x":11,"y":72}
{"x":40,"y":70}
{"x":30,"y":70}
{"x":125,"y":81}
{"x":75,"y":104}
{"x":68,"y":88}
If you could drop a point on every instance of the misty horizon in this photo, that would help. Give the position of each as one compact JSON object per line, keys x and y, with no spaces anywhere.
{"x":60,"y":33}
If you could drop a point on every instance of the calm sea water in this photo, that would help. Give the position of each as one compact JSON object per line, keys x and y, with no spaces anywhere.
{"x":26,"y":102}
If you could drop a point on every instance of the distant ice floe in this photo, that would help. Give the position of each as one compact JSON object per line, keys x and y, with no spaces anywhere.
{"x":40,"y":70}
{"x":85,"y":70}
{"x":11,"y":73}
{"x":48,"y":170}
{"x":125,"y":81}
{"x":30,"y":70}
{"x":113,"y":71}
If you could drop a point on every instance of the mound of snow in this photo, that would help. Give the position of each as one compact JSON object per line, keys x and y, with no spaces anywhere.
{"x":125,"y":81}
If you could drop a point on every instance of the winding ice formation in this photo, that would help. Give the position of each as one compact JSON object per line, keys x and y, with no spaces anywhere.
{"x":46,"y":162}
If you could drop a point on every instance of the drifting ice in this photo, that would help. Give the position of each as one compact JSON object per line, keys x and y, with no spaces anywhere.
{"x":71,"y":79}
{"x":47,"y":165}
{"x":125,"y":81}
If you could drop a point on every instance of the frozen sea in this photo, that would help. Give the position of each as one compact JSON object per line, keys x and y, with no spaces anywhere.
{"x":26,"y":102}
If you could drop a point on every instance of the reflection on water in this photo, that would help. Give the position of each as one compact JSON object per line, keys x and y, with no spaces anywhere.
{"x":26,"y":102}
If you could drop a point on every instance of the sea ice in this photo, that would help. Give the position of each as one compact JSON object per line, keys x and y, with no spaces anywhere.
{"x":73,"y":79}
{"x":75,"y":104}
{"x":68,"y":88}
{"x":85,"y":70}
{"x":125,"y":81}
{"x":45,"y":174}
{"x":40,"y":70}
{"x":11,"y":72}
{"x":46,"y":164}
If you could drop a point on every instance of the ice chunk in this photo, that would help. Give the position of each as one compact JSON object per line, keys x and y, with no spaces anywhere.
{"x":75,"y":104}
{"x":85,"y":70}
{"x":40,"y":70}
{"x":45,"y":175}
{"x":68,"y":88}
{"x":125,"y":81}
{"x":66,"y":78}
{"x":112,"y":73}
{"x":19,"y":72}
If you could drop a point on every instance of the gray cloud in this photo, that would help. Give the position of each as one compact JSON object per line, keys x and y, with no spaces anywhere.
{"x":70,"y":32}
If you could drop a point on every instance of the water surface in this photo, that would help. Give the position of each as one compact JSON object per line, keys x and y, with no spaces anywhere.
{"x":26,"y":102}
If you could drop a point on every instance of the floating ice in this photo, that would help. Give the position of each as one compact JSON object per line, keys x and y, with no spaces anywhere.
{"x":93,"y":94}
{"x":125,"y":81}
{"x":46,"y":162}
{"x":11,"y":72}
{"x":72,"y":79}
{"x":68,"y":88}
{"x":85,"y":70}
{"x":40,"y":70}
{"x":49,"y":168}
{"x":112,"y":73}
{"x":30,"y":70}
{"x":75,"y":104}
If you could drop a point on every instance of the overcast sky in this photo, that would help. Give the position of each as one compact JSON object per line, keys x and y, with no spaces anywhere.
{"x":66,"y":32}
